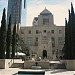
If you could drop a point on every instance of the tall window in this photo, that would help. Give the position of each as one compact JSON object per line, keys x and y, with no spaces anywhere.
{"x":60,"y":31}
{"x":36,"y":38}
{"x":52,"y":31}
{"x":29,"y":41}
{"x":29,"y":32}
{"x":36,"y":41}
{"x":45,"y":21}
{"x":52,"y":38}
{"x":37,"y":31}
{"x":53,"y":44}
{"x":44,"y":31}
{"x":60,"y":41}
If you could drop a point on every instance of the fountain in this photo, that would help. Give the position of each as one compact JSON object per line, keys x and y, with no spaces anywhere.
{"x":37,"y":63}
{"x":36,"y":66}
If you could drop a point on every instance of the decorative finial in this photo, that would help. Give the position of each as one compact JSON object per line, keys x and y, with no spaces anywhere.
{"x":45,"y":7}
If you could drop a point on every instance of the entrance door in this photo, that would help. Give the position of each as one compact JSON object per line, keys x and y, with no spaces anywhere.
{"x":44,"y":53}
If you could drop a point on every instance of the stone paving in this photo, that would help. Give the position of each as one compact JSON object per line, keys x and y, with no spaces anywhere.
{"x":11,"y":71}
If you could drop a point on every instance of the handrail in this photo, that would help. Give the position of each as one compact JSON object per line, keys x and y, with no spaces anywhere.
{"x":10,"y":63}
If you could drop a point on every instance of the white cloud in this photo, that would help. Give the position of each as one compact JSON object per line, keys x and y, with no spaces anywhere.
{"x":36,"y":1}
{"x":60,"y":12}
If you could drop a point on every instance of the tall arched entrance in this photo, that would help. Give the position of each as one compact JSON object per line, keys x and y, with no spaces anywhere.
{"x":44,"y":54}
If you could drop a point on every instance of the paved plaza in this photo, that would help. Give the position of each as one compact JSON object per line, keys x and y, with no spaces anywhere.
{"x":11,"y":71}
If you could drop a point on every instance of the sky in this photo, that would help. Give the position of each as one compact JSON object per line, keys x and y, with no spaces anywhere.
{"x":59,"y":8}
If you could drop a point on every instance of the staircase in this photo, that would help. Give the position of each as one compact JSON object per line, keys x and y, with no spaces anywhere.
{"x":59,"y":65}
{"x":18,"y":63}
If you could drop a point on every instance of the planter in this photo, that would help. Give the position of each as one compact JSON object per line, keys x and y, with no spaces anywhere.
{"x":5,"y":63}
{"x":2,"y":63}
{"x":70,"y":65}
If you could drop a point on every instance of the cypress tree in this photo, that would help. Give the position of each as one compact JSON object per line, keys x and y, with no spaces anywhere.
{"x":72,"y":32}
{"x":14,"y":41}
{"x":70,"y":35}
{"x":3,"y":36}
{"x":66,"y":40}
{"x":69,"y":32}
{"x":72,"y":9}
{"x":8,"y":39}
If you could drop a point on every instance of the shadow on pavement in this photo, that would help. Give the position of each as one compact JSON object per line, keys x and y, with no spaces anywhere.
{"x":58,"y":71}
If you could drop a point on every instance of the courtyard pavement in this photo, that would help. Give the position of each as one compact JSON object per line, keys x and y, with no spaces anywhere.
{"x":11,"y":71}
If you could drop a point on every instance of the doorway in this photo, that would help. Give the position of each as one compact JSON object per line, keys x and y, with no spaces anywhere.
{"x":44,"y":54}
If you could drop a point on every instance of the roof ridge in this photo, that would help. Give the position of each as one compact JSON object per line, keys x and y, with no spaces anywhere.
{"x":45,"y":11}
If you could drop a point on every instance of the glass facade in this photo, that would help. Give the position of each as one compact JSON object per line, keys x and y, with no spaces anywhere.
{"x":14,"y":9}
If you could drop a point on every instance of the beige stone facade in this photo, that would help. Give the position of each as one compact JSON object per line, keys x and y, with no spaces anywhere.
{"x":44,"y":38}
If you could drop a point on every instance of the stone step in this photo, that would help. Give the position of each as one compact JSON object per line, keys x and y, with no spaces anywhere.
{"x":16,"y":65}
{"x":58,"y":66}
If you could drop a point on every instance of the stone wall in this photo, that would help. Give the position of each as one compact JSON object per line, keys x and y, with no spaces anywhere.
{"x":42,"y":64}
{"x":2,"y":63}
{"x":70,"y":65}
{"x":5,"y":63}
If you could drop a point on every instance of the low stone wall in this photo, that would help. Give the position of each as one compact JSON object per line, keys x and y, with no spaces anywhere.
{"x":5,"y":63}
{"x":2,"y":63}
{"x":70,"y":65}
{"x":42,"y":64}
{"x":8,"y":63}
